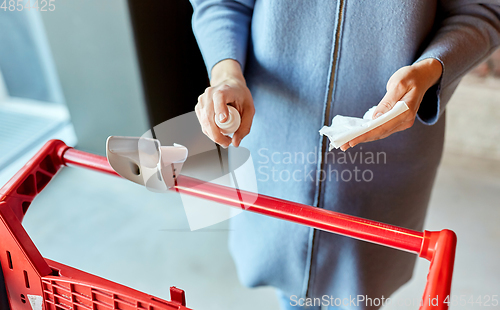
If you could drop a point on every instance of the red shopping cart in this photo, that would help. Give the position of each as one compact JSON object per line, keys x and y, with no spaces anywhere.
{"x":35,"y":283}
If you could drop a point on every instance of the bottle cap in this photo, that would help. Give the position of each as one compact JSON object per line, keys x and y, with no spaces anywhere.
{"x":232,"y":122}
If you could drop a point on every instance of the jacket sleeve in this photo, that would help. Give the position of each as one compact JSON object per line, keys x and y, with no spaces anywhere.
{"x":467,"y":34}
{"x":221,"y":28}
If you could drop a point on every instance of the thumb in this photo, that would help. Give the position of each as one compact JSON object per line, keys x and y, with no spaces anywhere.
{"x":221,"y":99}
{"x":387,"y":103}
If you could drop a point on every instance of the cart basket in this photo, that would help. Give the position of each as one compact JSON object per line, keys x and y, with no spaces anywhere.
{"x":32,"y":282}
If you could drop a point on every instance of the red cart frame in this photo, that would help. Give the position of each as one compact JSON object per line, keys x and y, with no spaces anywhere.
{"x":33,"y":282}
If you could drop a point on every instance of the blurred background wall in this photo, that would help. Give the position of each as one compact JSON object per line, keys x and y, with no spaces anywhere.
{"x":473,"y":126}
{"x":94,"y":54}
{"x":100,"y":66}
{"x":32,"y":105}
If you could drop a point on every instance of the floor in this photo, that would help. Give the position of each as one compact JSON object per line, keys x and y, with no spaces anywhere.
{"x":472,"y":125}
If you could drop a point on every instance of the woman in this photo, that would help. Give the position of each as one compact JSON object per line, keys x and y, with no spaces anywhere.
{"x":290,"y":66}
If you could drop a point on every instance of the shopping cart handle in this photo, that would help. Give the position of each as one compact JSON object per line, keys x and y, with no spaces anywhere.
{"x":439,"y":249}
{"x":17,"y":194}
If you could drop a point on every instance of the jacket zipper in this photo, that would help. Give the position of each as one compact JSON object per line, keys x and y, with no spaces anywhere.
{"x":336,"y":47}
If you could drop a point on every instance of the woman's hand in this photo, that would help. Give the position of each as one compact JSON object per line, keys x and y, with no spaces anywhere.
{"x":408,"y":84}
{"x":228,"y":86}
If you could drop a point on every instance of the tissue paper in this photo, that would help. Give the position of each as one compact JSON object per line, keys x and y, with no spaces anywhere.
{"x":345,"y":128}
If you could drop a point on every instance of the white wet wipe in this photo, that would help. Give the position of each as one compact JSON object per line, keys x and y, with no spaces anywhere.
{"x":345,"y":128}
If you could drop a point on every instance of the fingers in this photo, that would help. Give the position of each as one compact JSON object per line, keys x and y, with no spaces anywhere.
{"x":401,"y":127}
{"x":213,"y":103}
{"x":345,"y":146}
{"x":216,"y":136}
{"x":205,"y":113}
{"x":221,"y":98}
{"x":407,"y":84}
{"x":395,"y":91}
{"x":401,"y":122}
{"x":246,"y":124}
{"x":381,"y":131}
{"x":393,"y":95}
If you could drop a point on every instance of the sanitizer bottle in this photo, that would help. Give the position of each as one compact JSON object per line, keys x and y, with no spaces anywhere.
{"x":232,"y":122}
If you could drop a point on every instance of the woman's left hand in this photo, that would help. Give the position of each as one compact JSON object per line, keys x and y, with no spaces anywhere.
{"x":408,"y":84}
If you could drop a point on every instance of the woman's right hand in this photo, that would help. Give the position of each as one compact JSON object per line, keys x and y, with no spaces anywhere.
{"x":228,"y":86}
